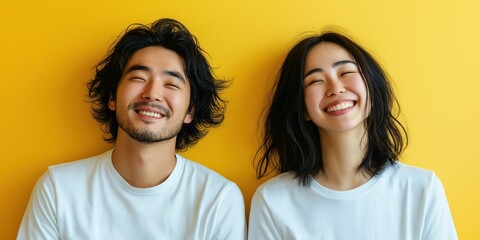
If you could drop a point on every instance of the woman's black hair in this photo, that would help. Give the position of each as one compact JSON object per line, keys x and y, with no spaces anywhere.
{"x":205,"y":101}
{"x":292,"y":144}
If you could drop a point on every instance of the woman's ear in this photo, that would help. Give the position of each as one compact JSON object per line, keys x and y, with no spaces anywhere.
{"x":306,"y":116}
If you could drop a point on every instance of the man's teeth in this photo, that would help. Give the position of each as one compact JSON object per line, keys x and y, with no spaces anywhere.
{"x":150,"y":114}
{"x":340,"y":106}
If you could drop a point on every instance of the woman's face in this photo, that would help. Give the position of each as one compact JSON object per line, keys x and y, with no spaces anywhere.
{"x":335,"y":92}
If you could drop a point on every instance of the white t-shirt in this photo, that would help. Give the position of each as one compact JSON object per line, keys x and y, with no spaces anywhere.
{"x":403,"y":203}
{"x":88,"y":199}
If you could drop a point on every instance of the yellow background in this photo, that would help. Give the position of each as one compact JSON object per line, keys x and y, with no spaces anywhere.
{"x":48,"y":48}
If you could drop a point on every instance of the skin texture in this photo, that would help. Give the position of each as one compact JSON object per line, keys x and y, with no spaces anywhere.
{"x":151,"y":107}
{"x":334,"y":82}
{"x":336,"y":102}
{"x":153,"y":95}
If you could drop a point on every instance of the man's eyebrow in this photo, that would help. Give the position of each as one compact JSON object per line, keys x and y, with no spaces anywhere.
{"x":172,"y":73}
{"x":175,"y":74}
{"x":336,"y":64}
{"x":137,"y":67}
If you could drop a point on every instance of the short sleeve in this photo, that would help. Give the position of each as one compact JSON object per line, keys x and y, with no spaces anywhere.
{"x":261,"y":223}
{"x":438,"y":221}
{"x":39,"y":220}
{"x":230,"y":216}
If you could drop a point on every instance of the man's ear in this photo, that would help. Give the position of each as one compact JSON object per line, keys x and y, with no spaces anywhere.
{"x":111,"y":103}
{"x":189,"y":117}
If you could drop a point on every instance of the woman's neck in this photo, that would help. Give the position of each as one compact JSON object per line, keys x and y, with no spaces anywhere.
{"x":342,"y":154}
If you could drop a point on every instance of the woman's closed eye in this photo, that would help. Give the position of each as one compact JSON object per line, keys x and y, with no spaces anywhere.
{"x":346,"y":73}
{"x":315,"y":81}
{"x":139,"y":79}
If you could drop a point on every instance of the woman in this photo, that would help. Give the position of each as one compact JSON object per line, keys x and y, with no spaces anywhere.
{"x":331,"y":133}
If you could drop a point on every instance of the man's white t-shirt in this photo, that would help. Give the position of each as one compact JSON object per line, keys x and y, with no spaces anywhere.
{"x":88,"y":199}
{"x":402,"y":203}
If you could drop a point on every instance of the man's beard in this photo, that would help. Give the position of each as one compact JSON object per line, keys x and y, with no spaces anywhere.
{"x":148,"y":136}
{"x":169,"y":130}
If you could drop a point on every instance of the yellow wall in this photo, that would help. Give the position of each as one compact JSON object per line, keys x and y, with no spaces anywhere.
{"x":48,"y":48}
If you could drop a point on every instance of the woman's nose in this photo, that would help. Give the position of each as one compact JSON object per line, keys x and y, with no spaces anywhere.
{"x":335,"y":87}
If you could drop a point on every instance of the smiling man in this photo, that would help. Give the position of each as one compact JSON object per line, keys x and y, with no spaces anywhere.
{"x":154,"y":94}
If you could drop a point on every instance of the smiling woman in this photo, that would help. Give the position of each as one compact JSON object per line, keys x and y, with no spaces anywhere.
{"x":335,"y":93}
{"x":331,"y":133}
{"x":48,"y":49}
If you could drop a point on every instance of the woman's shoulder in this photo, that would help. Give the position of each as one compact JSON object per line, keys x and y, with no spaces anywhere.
{"x":405,"y":174}
{"x":283,"y":183}
{"x":411,"y":171}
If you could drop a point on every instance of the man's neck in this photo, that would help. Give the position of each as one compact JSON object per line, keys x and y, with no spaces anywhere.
{"x":143,"y":165}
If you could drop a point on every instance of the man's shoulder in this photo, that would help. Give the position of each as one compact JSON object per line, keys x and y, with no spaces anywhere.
{"x":70,"y":178}
{"x":204,"y":175}
{"x":77,"y":168}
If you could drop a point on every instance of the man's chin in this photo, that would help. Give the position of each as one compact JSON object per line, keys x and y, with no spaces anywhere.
{"x":149,"y":137}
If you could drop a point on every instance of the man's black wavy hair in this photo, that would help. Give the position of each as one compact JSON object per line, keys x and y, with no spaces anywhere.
{"x":205,"y":101}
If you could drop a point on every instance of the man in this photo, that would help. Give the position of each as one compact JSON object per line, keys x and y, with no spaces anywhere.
{"x":154,"y":94}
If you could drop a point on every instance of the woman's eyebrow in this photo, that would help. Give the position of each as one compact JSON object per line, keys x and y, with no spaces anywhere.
{"x":335,"y":64}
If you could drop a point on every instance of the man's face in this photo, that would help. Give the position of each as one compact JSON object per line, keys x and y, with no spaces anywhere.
{"x":153,"y":96}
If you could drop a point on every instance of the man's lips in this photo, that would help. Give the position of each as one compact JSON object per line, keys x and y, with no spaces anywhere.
{"x":150,"y":109}
{"x":150,"y":114}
